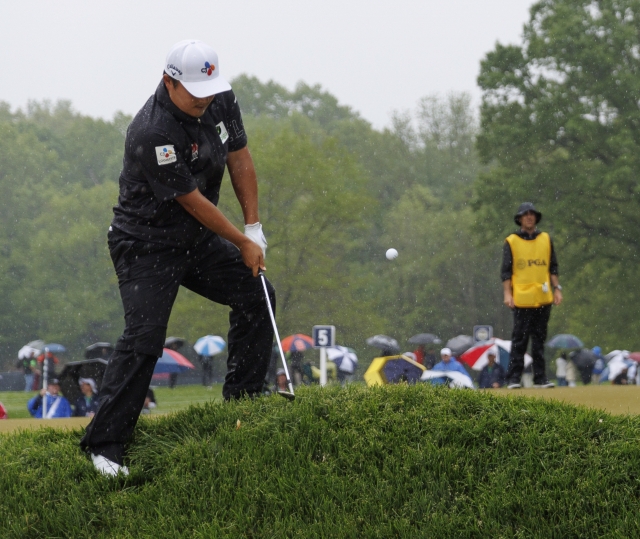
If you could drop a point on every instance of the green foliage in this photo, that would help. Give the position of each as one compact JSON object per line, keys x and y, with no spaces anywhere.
{"x":560,"y":128}
{"x":394,"y":461}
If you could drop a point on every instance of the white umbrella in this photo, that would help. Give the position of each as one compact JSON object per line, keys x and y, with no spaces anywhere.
{"x":344,"y":358}
{"x":209,"y":345}
{"x":27,"y":351}
{"x":457,"y":378}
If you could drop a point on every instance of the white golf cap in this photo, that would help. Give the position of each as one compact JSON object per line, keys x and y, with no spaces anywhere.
{"x":445,"y":352}
{"x":89,"y":381}
{"x":195,"y":65}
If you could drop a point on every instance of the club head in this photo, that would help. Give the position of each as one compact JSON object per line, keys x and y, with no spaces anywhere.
{"x":287,"y":395}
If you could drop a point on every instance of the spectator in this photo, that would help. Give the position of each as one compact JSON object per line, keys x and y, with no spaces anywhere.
{"x":296,"y":358}
{"x":492,"y":374}
{"x":572,"y":373}
{"x":419,"y":354}
{"x":448,"y":363}
{"x":561,"y":369}
{"x":48,"y":360}
{"x":281,"y":381}
{"x":87,"y":403}
{"x":149,"y":402}
{"x":430,"y":358}
{"x":57,"y":405}
{"x":29,"y":366}
{"x":599,"y":365}
{"x":207,"y":369}
{"x":3,"y":412}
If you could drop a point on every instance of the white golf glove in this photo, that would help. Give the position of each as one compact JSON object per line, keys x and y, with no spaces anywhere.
{"x":254,"y":233}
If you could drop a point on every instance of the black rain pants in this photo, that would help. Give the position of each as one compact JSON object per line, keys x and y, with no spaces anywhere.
{"x":528,"y":323}
{"x":149,"y":276}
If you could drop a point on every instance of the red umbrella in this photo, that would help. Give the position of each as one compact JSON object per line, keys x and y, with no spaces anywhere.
{"x":172,"y":361}
{"x":297,"y":343}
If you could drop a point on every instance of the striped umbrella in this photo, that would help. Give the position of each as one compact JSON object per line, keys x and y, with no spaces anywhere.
{"x":172,"y":361}
{"x":297,"y":343}
{"x":209,"y":345}
{"x":344,"y":358}
{"x":476,"y":356}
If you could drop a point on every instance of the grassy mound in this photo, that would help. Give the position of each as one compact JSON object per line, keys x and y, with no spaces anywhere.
{"x":389,"y":462}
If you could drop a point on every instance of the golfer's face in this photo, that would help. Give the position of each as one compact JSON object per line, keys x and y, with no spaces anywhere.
{"x":193,"y":106}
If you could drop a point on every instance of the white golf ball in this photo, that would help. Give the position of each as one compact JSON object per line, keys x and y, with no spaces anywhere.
{"x":391,"y":254}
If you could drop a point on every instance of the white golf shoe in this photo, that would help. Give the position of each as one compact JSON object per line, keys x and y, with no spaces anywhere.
{"x":108,"y":467}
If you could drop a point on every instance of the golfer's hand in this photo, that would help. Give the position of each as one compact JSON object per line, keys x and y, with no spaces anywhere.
{"x":508,"y":300}
{"x":557,"y":297}
{"x":252,"y":256}
{"x":255,"y":233}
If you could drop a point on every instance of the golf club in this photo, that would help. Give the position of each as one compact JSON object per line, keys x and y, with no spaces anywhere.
{"x":289,"y":395}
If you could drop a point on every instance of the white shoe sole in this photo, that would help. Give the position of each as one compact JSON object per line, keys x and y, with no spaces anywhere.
{"x":108,"y":467}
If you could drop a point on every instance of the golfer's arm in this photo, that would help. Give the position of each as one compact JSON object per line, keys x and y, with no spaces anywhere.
{"x":210,"y":216}
{"x":245,"y":183}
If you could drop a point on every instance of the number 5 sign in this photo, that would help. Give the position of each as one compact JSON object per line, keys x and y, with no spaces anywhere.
{"x":323,"y":336}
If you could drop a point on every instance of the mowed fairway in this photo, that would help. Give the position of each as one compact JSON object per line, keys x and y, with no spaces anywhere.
{"x":169,"y":400}
{"x":618,"y":400}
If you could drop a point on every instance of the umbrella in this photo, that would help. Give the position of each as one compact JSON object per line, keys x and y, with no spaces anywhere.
{"x":456,"y":379}
{"x":297,"y":343}
{"x":98,"y":349}
{"x":402,"y":369}
{"x":384,"y":343}
{"x":172,"y":361}
{"x":392,"y":369}
{"x":26,"y":351}
{"x":476,"y":356}
{"x":38,"y":344}
{"x":209,"y":345}
{"x":55,"y":348}
{"x":73,"y":371}
{"x":564,"y":340}
{"x":425,"y":338}
{"x":344,"y":358}
{"x":175,"y":343}
{"x":584,"y":360}
{"x":460,"y":344}
{"x":616,"y":366}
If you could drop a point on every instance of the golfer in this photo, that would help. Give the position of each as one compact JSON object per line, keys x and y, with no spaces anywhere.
{"x":530,"y":284}
{"x":167,"y":231}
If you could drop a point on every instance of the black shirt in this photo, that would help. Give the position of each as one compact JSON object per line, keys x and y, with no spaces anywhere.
{"x":167,"y":154}
{"x":507,"y":257}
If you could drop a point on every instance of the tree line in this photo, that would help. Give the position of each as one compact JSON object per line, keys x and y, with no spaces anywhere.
{"x":558,"y":125}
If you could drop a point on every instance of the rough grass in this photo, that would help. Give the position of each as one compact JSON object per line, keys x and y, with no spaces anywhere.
{"x":386,"y":462}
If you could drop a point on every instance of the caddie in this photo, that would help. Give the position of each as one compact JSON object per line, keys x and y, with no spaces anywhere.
{"x":530,"y":284}
{"x":167,"y":231}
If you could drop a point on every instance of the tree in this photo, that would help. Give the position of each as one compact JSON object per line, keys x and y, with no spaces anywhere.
{"x":560,"y":126}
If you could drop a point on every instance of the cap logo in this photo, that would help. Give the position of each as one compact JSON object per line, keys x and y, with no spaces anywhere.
{"x":174,"y":70}
{"x":208,"y":69}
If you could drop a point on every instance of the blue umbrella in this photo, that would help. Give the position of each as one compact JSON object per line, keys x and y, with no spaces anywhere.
{"x":401,"y":370}
{"x":210,"y":345}
{"x":55,"y":348}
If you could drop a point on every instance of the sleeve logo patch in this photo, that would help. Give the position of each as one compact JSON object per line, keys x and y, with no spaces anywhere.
{"x":222,"y":131}
{"x":166,"y":154}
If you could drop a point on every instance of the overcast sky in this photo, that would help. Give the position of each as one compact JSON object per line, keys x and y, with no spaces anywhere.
{"x":375,"y":56}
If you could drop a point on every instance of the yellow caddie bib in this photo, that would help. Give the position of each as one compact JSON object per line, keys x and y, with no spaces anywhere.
{"x":530,"y":279}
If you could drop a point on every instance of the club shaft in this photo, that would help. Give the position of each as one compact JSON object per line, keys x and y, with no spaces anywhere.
{"x":275,"y":330}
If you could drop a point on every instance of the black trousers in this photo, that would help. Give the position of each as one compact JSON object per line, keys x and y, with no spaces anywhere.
{"x":528,"y":323}
{"x":149,"y":276}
